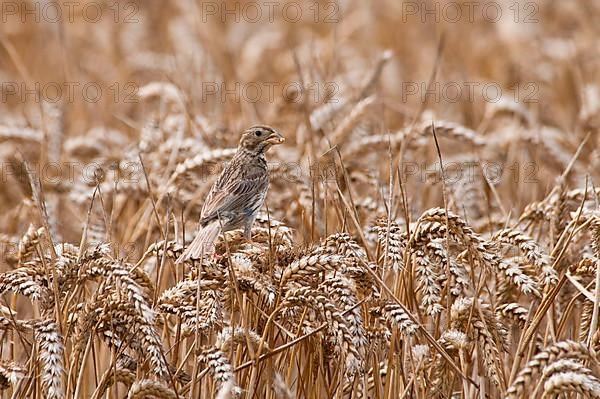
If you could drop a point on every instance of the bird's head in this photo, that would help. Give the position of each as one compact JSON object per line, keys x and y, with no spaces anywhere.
{"x":260,"y":138}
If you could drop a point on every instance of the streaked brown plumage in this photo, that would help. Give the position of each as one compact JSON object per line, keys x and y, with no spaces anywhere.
{"x":238,"y":193}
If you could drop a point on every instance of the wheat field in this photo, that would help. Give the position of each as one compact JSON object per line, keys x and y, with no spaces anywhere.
{"x":432,"y":227}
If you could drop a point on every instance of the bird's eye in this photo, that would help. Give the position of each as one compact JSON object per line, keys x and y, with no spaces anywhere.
{"x":258,"y":133}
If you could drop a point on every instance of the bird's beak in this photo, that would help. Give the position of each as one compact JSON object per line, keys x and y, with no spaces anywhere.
{"x":275,"y":138}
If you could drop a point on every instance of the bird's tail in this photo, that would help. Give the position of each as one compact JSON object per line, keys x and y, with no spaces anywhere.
{"x":203,"y":243}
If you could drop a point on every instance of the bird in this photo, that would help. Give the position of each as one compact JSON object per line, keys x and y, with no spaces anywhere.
{"x":237,"y":195}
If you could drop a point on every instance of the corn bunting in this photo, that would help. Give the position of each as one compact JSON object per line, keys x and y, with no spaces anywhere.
{"x":238,"y":193}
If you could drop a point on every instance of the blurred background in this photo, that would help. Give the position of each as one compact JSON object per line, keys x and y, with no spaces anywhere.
{"x":87,"y":85}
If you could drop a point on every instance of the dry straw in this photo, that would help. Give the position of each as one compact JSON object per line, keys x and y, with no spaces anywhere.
{"x":379,"y":267}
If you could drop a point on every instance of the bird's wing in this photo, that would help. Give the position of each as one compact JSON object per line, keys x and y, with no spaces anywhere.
{"x":235,"y":190}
